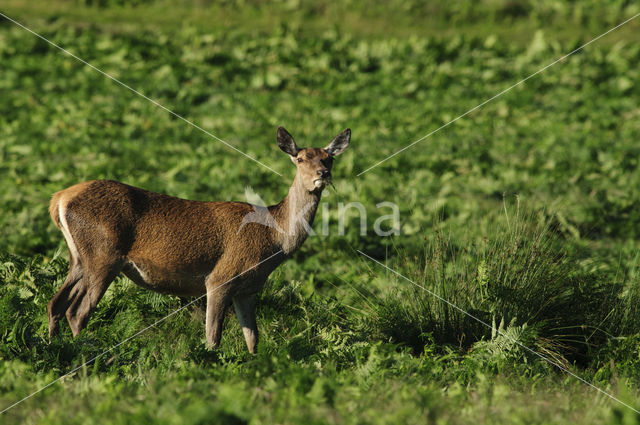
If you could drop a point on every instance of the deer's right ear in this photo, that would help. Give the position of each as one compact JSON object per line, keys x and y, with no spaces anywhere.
{"x":286,"y":142}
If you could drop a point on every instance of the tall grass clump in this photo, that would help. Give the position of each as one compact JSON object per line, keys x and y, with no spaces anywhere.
{"x":515,"y":277}
{"x":625,"y":319}
{"x":623,"y":325}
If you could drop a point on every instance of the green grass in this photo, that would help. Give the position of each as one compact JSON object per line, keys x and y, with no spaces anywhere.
{"x":514,"y":20}
{"x":522,"y":213}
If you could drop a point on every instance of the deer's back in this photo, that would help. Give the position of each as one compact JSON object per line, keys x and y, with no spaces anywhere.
{"x":166,"y":237}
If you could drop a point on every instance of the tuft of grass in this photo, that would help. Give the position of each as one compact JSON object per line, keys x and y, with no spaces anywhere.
{"x":517,"y":278}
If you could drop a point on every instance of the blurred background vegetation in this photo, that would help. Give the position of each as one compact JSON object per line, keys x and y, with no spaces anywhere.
{"x":522,"y":213}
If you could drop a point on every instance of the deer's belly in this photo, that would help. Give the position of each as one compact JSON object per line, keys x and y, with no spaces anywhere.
{"x":172,"y":282}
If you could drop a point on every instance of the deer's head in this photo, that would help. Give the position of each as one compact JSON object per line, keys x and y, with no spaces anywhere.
{"x":314,"y":164}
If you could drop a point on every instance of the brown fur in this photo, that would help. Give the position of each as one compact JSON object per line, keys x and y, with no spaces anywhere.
{"x":183,"y":247}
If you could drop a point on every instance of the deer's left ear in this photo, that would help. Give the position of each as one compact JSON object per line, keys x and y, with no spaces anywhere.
{"x":339,"y":144}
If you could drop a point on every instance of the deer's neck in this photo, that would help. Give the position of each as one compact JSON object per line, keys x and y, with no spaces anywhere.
{"x":295,"y":215}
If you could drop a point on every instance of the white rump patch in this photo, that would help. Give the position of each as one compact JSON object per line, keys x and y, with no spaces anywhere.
{"x":65,"y":230}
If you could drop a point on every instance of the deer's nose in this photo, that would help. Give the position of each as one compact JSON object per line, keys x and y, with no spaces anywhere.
{"x":323,"y":173}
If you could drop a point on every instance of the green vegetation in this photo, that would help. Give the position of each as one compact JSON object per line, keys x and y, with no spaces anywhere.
{"x":523,"y":213}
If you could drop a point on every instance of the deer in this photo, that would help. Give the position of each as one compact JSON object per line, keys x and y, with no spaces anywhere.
{"x":184,"y":247}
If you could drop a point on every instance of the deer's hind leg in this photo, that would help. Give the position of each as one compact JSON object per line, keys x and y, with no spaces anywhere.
{"x":93,"y":264}
{"x":61,"y":301}
{"x":88,"y":292}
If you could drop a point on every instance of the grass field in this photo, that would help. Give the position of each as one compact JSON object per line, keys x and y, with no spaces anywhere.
{"x":522,"y":213}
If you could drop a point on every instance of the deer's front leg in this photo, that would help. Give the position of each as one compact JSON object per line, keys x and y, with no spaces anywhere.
{"x":217,"y":302}
{"x":246,"y":312}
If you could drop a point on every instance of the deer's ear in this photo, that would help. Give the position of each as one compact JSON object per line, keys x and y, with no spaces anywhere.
{"x":286,"y":142}
{"x":339,"y":144}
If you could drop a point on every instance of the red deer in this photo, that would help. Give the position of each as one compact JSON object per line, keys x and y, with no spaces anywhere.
{"x":182,"y":247}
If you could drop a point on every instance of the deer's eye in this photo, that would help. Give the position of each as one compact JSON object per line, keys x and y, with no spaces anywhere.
{"x":300,"y":160}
